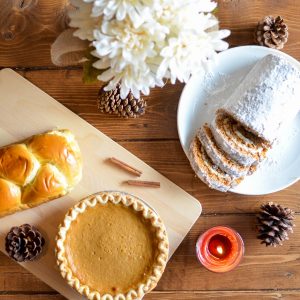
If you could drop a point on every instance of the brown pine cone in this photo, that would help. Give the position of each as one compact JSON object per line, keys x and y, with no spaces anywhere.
{"x":24,"y":243}
{"x":111,"y":102}
{"x":274,"y":224}
{"x":272,"y":32}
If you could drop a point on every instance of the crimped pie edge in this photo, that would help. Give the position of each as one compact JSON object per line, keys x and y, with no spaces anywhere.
{"x":137,"y":205}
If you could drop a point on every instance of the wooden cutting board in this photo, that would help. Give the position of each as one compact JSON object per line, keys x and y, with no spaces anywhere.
{"x":26,"y":110}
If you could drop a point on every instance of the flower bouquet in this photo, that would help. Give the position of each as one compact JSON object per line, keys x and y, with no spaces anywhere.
{"x":138,"y":44}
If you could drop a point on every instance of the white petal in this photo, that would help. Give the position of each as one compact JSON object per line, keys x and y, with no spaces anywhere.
{"x":124,"y":91}
{"x":206,"y":5}
{"x":106,"y":75}
{"x":121,"y":12}
{"x":162,"y":69}
{"x":101,"y":64}
{"x":220,"y":45}
{"x":135,"y":93}
{"x":135,"y":18}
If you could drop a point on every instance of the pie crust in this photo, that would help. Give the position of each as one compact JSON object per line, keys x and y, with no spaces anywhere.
{"x":145,"y":213}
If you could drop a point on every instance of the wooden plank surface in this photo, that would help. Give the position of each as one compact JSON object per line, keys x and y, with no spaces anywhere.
{"x":43,"y":113}
{"x":27,"y":28}
{"x":262,"y":268}
{"x":153,"y":138}
{"x":232,"y":295}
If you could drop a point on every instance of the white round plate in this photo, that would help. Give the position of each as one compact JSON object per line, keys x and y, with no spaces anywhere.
{"x":204,"y":93}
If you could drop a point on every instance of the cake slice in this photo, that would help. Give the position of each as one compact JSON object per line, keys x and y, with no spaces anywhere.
{"x":218,"y":156}
{"x":241,"y":145}
{"x":206,"y":170}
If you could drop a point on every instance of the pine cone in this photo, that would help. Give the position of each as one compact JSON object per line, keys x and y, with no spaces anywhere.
{"x":274,"y":224}
{"x":111,"y":102}
{"x":272,"y":32}
{"x":24,"y":243}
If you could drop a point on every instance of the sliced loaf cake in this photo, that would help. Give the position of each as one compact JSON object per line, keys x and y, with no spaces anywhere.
{"x":206,"y":170}
{"x":241,"y":145}
{"x":218,"y":156}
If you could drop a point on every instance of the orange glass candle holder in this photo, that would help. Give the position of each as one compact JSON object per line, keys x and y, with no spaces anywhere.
{"x":220,"y":249}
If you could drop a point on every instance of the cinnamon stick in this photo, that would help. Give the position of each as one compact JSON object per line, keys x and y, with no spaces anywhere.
{"x":153,"y":184}
{"x":125,"y":166}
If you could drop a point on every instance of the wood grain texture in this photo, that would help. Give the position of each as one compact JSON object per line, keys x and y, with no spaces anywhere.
{"x":27,"y":29}
{"x":31,"y":297}
{"x":153,"y":138}
{"x":242,"y":16}
{"x":261,"y":268}
{"x":66,"y":86}
{"x":30,"y":103}
{"x":232,"y":295}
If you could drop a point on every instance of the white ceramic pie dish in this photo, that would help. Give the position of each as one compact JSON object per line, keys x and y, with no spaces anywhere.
{"x":204,"y":93}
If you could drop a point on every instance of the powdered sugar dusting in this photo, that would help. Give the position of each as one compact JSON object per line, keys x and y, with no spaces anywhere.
{"x":220,"y":88}
{"x":280,"y":147}
{"x":267,"y":97}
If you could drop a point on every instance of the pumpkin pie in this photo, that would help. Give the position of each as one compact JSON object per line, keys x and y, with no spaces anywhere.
{"x":112,"y":246}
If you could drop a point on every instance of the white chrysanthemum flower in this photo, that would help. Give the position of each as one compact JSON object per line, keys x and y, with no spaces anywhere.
{"x":172,"y":13}
{"x":81,"y":19}
{"x":126,"y":51}
{"x":125,"y":44}
{"x":191,"y":49}
{"x":138,"y":43}
{"x":136,"y":10}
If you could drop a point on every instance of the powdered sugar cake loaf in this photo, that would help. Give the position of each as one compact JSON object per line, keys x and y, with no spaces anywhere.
{"x":267,"y":97}
{"x":241,"y":145}
{"x":206,"y":170}
{"x":244,"y":129}
{"x":218,"y":156}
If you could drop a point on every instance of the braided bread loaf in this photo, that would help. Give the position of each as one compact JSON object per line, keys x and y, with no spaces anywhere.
{"x":43,"y":167}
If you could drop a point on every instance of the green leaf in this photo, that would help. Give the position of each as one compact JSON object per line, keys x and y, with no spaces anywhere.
{"x":89,"y":72}
{"x":215,"y":11}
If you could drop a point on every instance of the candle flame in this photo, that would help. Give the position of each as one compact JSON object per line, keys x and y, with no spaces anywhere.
{"x":220,"y":250}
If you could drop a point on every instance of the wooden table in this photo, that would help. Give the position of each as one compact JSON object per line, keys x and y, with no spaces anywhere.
{"x":27,"y":29}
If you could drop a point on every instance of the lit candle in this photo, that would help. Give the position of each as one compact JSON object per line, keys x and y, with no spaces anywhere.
{"x":220,"y":249}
